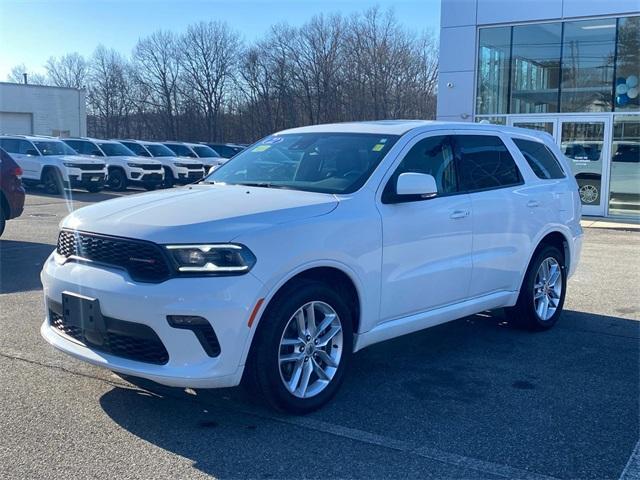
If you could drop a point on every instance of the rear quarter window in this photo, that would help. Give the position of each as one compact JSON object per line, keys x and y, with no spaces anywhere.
{"x":541,"y":160}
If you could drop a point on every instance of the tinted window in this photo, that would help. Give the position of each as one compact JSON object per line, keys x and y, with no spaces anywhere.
{"x":205,"y":152}
{"x":54,"y":148}
{"x":181,"y":150}
{"x":83,"y":147}
{"x":486,"y":163}
{"x":10,"y":145}
{"x":136,"y":148}
{"x":115,"y":150}
{"x":158,"y":150}
{"x":540,"y":159}
{"x":433,"y":156}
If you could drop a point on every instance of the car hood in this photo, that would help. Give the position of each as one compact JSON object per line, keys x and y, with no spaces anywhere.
{"x":141,"y":160}
{"x":78,"y":159}
{"x":199,"y":213}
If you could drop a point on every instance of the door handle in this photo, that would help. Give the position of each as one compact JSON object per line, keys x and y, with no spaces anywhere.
{"x":459,"y":214}
{"x":533,"y":203}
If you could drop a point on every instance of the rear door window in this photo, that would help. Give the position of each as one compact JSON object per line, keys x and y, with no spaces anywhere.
{"x":543,"y":163}
{"x":485,"y":163}
{"x":10,"y":145}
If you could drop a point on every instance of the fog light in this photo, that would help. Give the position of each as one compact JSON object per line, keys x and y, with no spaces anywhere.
{"x":186,"y":321}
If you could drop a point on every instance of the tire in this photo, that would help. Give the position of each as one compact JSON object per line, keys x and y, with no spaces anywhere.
{"x":532,"y":293}
{"x":117,"y":180}
{"x":94,"y":188}
{"x":52,"y":181}
{"x":589,"y":191}
{"x":169,"y":180}
{"x":265,"y":376}
{"x":3,"y":219}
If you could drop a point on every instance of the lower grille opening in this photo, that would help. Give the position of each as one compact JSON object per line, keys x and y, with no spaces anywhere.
{"x":133,"y":341}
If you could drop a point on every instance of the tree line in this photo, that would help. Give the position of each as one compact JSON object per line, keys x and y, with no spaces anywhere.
{"x":206,"y":84}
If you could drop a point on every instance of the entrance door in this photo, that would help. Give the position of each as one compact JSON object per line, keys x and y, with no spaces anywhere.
{"x":543,"y":124}
{"x":585,"y":142}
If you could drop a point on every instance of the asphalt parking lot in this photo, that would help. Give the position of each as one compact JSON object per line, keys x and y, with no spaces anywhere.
{"x":474,"y":398}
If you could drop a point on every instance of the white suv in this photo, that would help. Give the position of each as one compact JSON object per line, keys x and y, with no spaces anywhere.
{"x":207,"y":155}
{"x":125,"y":168}
{"x":52,"y":163}
{"x":311,"y":245}
{"x":176,"y":170}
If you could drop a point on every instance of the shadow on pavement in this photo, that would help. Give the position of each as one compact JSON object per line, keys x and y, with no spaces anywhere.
{"x":78,"y":195}
{"x":562,"y":403}
{"x":20,"y":265}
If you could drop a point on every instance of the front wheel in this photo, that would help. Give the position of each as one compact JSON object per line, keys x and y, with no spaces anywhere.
{"x":117,"y":180}
{"x":52,"y":181}
{"x":543,"y":291}
{"x":302,"y":348}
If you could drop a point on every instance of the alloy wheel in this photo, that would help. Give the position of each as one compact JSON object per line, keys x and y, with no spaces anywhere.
{"x":310,"y":349}
{"x":588,"y":193}
{"x":547,"y":288}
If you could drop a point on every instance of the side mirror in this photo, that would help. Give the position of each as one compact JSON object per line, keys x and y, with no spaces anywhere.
{"x":416,"y":184}
{"x":33,"y":152}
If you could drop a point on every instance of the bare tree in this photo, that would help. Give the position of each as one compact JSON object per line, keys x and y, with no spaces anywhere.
{"x":157,"y":68}
{"x":16,"y":75}
{"x":70,"y":70}
{"x":210,"y":52}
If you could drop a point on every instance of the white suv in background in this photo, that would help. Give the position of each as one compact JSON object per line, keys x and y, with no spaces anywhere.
{"x":124,"y":167}
{"x":207,"y":155}
{"x":52,"y":163}
{"x":176,"y":170}
{"x":323,"y":240}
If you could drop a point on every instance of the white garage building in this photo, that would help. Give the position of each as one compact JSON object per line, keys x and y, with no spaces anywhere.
{"x":42,"y":110}
{"x":567,"y":67}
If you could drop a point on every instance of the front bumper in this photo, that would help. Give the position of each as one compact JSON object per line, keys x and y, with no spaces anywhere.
{"x":190,"y":177}
{"x":148,"y":177}
{"x":87,"y":179}
{"x":226,"y":302}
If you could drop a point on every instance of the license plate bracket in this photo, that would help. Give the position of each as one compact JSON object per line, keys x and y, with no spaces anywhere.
{"x":84,"y":313}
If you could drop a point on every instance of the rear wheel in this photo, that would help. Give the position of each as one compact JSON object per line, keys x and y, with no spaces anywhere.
{"x":52,"y":181}
{"x":543,"y":291}
{"x":117,"y":180}
{"x":302,"y":348}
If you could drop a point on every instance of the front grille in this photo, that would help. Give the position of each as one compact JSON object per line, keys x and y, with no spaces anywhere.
{"x":89,"y":166}
{"x":144,"y":166}
{"x":123,"y":339}
{"x":152,"y":176}
{"x":195,"y":175}
{"x":144,"y":261}
{"x":192,"y":166}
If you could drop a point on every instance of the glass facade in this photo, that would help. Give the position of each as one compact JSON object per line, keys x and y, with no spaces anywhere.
{"x":579,"y":82}
{"x":535,"y":68}
{"x":582,"y":66}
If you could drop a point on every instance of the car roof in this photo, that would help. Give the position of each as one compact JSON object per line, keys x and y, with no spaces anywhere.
{"x":31,"y":138}
{"x":401,"y":127}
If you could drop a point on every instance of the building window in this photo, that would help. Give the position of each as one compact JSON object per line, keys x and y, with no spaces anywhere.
{"x":627,"y":65}
{"x":624,"y":183}
{"x":535,"y":68}
{"x":494,"y":57}
{"x":588,"y":50}
{"x":492,"y":120}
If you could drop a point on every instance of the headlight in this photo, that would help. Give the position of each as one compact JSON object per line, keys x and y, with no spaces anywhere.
{"x":135,"y":165}
{"x":70,"y":164}
{"x":215,"y":258}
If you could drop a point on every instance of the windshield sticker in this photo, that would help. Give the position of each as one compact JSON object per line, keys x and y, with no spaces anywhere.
{"x":383,"y":140}
{"x":272,"y":140}
{"x":377,"y":147}
{"x":261,"y":148}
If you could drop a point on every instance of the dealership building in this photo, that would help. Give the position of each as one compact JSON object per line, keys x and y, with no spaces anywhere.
{"x":42,"y":110}
{"x":566,"y":67}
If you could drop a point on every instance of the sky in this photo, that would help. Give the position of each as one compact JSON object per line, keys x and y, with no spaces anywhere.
{"x":32,"y":31}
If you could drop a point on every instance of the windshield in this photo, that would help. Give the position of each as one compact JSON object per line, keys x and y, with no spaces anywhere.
{"x":54,"y":148}
{"x":205,"y":152}
{"x":116,"y":150}
{"x":315,"y":162}
{"x":159,"y":150}
{"x":181,"y":150}
{"x":136,"y":148}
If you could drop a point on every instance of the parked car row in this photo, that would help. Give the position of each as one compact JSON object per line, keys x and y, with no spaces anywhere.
{"x":92,"y":164}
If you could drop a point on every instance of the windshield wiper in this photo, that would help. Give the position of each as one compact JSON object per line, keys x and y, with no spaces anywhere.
{"x":262,"y":185}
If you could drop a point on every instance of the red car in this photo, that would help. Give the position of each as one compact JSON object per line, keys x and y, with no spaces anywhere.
{"x":11,"y":189}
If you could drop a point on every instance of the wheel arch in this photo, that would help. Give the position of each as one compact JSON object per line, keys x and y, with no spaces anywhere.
{"x":555,"y":237}
{"x":341,"y":277}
